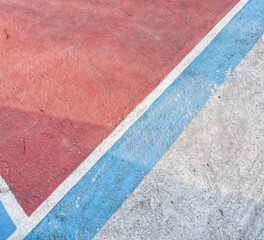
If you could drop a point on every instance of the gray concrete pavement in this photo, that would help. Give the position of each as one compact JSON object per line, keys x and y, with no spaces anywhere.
{"x":210,"y":183}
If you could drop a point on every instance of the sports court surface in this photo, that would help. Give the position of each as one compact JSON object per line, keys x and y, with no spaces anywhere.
{"x":93,"y":93}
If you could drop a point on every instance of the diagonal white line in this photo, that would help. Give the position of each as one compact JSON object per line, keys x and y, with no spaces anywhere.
{"x":10,"y":203}
{"x":27,"y":226}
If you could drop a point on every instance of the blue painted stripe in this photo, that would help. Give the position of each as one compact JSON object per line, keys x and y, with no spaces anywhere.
{"x":7,"y":227}
{"x":85,"y":209}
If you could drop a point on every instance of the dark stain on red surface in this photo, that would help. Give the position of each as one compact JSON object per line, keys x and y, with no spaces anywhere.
{"x":73,"y":70}
{"x":6,"y":34}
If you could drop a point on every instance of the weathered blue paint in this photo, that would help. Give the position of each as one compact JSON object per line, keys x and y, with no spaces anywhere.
{"x":85,"y":209}
{"x":7,"y":227}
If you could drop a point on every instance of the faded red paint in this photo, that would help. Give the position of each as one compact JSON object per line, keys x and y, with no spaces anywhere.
{"x":71,"y":71}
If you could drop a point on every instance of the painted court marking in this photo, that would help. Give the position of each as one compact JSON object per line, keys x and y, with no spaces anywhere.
{"x":73,"y":72}
{"x":10,"y":203}
{"x":122,"y":168}
{"x":7,"y":225}
{"x":57,"y":195}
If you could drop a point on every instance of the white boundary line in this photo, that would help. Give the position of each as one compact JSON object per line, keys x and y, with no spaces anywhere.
{"x":27,"y":226}
{"x":10,"y":203}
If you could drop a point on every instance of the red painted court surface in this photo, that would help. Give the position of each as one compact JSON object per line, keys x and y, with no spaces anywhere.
{"x":71,"y":71}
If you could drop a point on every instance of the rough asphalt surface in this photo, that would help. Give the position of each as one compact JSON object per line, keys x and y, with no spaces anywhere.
{"x":209,"y":184}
